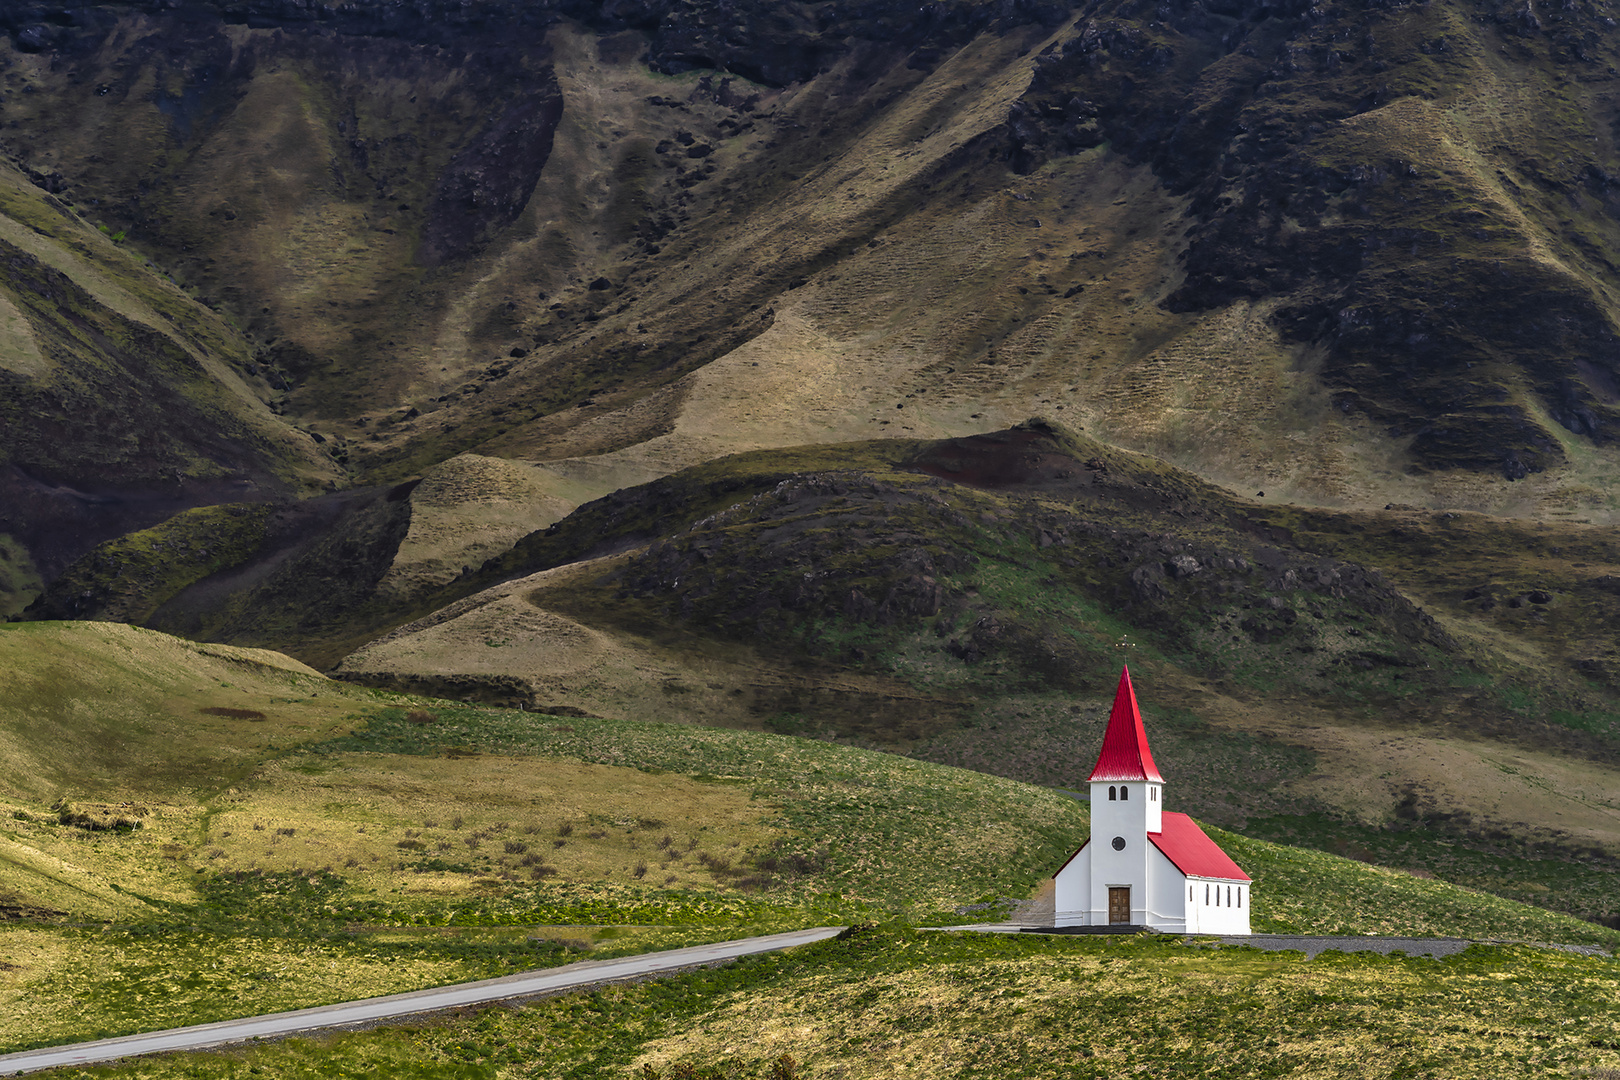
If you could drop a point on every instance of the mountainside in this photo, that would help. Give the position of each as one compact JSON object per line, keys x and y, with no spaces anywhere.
{"x":662,"y":360}
{"x":1337,"y":250}
{"x":124,"y":401}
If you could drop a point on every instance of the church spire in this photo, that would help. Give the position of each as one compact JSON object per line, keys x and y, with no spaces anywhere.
{"x":1125,"y":754}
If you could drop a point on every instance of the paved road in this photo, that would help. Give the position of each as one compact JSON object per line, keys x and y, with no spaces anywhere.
{"x":546,"y":981}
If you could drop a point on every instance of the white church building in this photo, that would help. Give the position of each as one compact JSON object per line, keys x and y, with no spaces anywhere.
{"x":1145,"y":866}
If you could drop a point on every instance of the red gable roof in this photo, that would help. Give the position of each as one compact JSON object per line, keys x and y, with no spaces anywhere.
{"x":1125,"y":754}
{"x":1193,"y":852}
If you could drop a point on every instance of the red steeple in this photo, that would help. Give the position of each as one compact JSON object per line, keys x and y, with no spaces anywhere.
{"x":1125,"y":754}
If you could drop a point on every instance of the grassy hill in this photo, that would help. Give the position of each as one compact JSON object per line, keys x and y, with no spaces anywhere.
{"x":890,"y":1001}
{"x":1433,"y":687}
{"x":349,"y":843}
{"x":968,"y":601}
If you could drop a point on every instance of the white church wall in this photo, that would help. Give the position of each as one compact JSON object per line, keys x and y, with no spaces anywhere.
{"x":1113,"y":867}
{"x":1219,"y":907}
{"x":1166,"y":897}
{"x":1072,"y":892}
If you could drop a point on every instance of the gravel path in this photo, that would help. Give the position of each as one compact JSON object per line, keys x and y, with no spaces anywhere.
{"x":1313,"y":944}
{"x":371,"y":1010}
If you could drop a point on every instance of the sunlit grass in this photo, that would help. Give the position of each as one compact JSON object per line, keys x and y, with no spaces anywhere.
{"x":437,"y":844}
{"x":891,"y":1002}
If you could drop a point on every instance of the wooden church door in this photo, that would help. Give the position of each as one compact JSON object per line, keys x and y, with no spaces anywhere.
{"x":1119,"y":904}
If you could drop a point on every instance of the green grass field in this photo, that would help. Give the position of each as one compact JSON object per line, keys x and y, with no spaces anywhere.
{"x":310,"y":843}
{"x":889,"y":1001}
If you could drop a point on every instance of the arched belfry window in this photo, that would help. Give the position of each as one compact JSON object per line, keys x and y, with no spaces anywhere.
{"x":1113,"y":793}
{"x":1124,"y":793}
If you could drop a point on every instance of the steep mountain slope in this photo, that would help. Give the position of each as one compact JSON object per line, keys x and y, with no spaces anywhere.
{"x":124,"y":400}
{"x":1341,"y":251}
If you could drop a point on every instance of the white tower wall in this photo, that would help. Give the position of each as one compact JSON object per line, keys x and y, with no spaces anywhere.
{"x":1135,"y":810}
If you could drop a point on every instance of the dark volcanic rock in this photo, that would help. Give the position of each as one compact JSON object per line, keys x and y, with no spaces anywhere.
{"x":487,"y":185}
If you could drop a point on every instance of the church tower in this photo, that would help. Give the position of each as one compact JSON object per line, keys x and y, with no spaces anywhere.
{"x":1127,"y":795}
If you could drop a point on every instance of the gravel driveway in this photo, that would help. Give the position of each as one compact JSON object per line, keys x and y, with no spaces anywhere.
{"x":1312,"y":944}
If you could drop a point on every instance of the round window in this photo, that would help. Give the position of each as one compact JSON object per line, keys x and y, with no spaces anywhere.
{"x":1119,"y":843}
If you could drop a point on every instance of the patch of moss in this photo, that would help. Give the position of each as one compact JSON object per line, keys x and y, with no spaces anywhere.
{"x":128,"y":579}
{"x":1582,"y":884}
{"x":20,"y":582}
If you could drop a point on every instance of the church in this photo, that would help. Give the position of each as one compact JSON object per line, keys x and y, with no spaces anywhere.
{"x":1145,"y":867}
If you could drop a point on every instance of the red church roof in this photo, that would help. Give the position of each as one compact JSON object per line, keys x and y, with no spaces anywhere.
{"x":1193,"y":852}
{"x":1125,"y":754}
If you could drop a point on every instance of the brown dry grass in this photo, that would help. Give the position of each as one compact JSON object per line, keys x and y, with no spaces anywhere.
{"x":364,"y":815}
{"x":470,"y":509}
{"x":509,"y":630}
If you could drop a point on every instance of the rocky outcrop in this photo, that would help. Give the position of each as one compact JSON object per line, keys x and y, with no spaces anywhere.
{"x":1316,"y":173}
